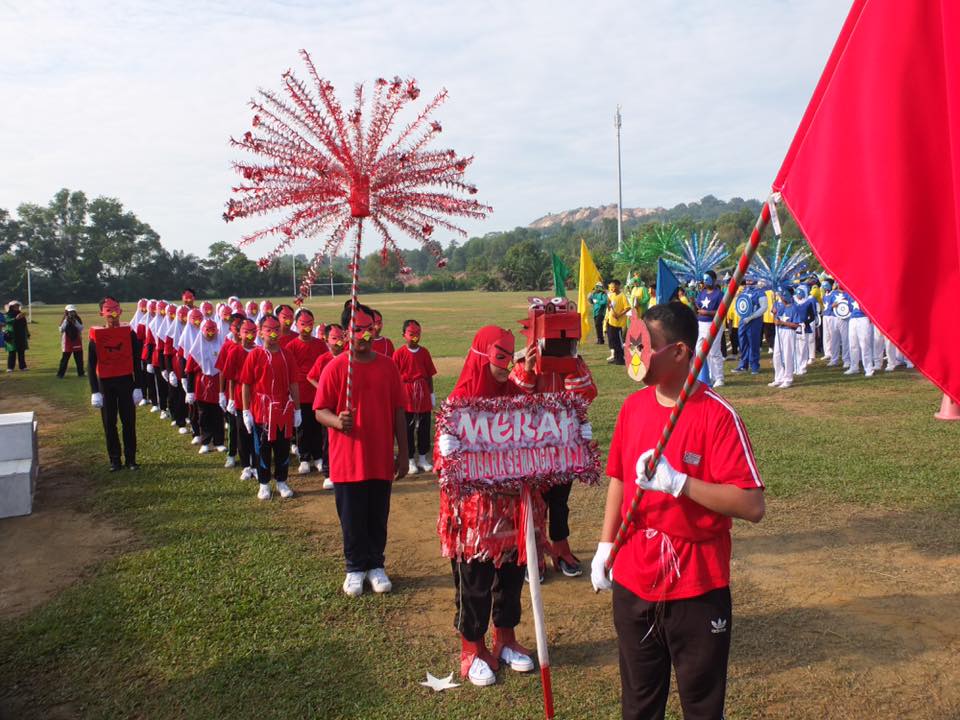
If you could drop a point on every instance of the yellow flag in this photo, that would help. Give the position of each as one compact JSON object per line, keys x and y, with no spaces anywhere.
{"x":589,"y":277}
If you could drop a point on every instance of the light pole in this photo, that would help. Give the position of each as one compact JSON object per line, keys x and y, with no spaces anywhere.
{"x":617,"y":123}
{"x":29,"y":297}
{"x":293,"y":257}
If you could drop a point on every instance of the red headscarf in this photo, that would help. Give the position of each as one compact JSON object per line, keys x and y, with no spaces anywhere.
{"x":476,"y":379}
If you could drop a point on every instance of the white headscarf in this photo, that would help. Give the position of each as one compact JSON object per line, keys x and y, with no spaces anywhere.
{"x":187,"y":336}
{"x":139,"y":315}
{"x":205,"y":352}
{"x":156,"y":322}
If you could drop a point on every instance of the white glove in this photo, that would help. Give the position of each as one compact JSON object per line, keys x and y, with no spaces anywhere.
{"x":191,"y":398}
{"x":150,"y":368}
{"x":586,"y":431}
{"x":137,"y":395}
{"x":599,"y":577}
{"x":665,"y":478}
{"x":96,"y":400}
{"x":231,"y":407}
{"x":172,"y":379}
{"x":448,"y":444}
{"x":248,"y":421}
{"x":163,"y":374}
{"x":223,"y":401}
{"x":297,"y":418}
{"x":433,"y":399}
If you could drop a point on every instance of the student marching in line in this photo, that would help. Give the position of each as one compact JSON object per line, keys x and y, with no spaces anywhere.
{"x":805,"y":316}
{"x":335,"y":339}
{"x":708,"y":300}
{"x":834,"y":343}
{"x":71,"y":341}
{"x":381,"y":344}
{"x":671,"y":578}
{"x":271,"y":406}
{"x":785,"y":344}
{"x":203,"y":387}
{"x":305,"y":349}
{"x":286,"y":315}
{"x":482,"y":532}
{"x":416,"y":371}
{"x":115,"y":381}
{"x":230,"y":363}
{"x":861,"y":341}
{"x":753,"y":302}
{"x":231,"y":343}
{"x":362,"y":440}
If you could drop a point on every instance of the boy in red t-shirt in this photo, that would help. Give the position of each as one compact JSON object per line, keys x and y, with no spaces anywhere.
{"x":287,"y":317}
{"x":362,"y":461}
{"x":230,"y":362}
{"x":417,"y":371}
{"x":670,"y":580}
{"x":271,"y":406}
{"x":380,"y":344}
{"x":305,"y":349}
{"x":335,"y":339}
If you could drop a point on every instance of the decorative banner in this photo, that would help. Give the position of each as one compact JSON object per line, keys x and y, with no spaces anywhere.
{"x":510,"y":442}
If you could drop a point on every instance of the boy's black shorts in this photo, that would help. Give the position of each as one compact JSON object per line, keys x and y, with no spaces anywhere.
{"x":693,"y":634}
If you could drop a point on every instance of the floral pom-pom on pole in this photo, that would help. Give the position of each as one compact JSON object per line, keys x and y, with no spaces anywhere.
{"x":326,"y":170}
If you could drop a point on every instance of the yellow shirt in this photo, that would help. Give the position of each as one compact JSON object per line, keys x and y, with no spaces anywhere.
{"x":618,"y":305}
{"x":768,"y":315}
{"x":817,"y":292}
{"x":733,"y":317}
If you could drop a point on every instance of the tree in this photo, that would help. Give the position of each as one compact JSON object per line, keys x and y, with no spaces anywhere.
{"x":524,"y":266}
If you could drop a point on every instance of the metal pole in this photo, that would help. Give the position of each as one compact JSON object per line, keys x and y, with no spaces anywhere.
{"x":29,"y":297}
{"x":536,"y":604}
{"x":293,"y":257}
{"x":617,"y":123}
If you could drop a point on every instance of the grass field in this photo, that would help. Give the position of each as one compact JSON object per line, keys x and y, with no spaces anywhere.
{"x":206,"y":603}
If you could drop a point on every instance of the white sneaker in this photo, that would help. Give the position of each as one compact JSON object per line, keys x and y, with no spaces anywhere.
{"x":184,"y":430}
{"x":480,"y":673}
{"x":196,"y":440}
{"x":154,"y":409}
{"x":264,"y":492}
{"x":868,"y":374}
{"x":890,"y":368}
{"x":516,"y":660}
{"x":221,"y":448}
{"x":851,"y":371}
{"x":173,"y":423}
{"x":304,"y":468}
{"x":246,"y":474}
{"x":328,"y":484}
{"x":425,"y":464}
{"x":784,"y":386}
{"x":285,"y":491}
{"x":412,"y":468}
{"x":204,"y":449}
{"x":294,"y":449}
{"x":164,"y":415}
{"x":353,"y":584}
{"x":718,"y":383}
{"x":379,"y":580}
{"x":140,"y":404}
{"x":773,"y":384}
{"x":231,"y":462}
{"x":319,"y":466}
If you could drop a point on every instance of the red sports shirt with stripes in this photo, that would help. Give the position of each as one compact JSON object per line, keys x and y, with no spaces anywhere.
{"x":678,"y":548}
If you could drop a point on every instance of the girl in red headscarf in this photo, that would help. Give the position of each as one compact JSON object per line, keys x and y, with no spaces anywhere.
{"x":482,"y":533}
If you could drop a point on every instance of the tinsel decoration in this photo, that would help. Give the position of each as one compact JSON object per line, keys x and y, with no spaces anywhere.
{"x":780,"y":267}
{"x":702,"y":252}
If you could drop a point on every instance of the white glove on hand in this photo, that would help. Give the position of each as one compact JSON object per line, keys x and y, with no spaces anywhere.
{"x":665,"y":479}
{"x":599,"y":577}
{"x":164,"y":373}
{"x":232,"y":407}
{"x":448,"y":444}
{"x":297,"y":418}
{"x":248,"y":421}
{"x":172,"y":379}
{"x":223,"y":401}
{"x":433,"y":399}
{"x":150,"y":368}
{"x":137,"y":395}
{"x":96,"y":399}
{"x":586,"y":431}
{"x":191,"y":398}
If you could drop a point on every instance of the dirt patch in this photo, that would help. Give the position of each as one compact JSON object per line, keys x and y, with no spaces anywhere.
{"x":840,"y":612}
{"x":47,"y":551}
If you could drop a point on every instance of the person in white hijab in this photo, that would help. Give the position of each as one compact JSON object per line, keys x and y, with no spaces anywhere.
{"x":203,"y":386}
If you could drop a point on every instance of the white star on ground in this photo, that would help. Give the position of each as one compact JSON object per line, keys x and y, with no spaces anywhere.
{"x":438,"y":684}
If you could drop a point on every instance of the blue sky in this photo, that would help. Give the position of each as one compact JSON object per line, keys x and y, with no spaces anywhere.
{"x":136,"y":100}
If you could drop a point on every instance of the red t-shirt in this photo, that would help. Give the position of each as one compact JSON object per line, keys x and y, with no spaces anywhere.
{"x":676,"y":535}
{"x":230,"y":362}
{"x":366,"y":452}
{"x":270,"y":375}
{"x":287,"y":338}
{"x":206,"y":388}
{"x":416,"y":369}
{"x":306,"y":353}
{"x":383,"y":346}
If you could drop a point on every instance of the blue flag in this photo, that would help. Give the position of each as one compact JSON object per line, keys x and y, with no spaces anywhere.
{"x":667,"y":283}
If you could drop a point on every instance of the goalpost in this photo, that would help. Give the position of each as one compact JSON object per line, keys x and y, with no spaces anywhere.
{"x":328,"y":288}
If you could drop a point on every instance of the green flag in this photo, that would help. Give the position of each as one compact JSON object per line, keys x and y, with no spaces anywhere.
{"x":560,"y":274}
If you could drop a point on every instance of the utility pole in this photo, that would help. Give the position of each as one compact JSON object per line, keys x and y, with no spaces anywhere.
{"x":616,"y":124}
{"x":29,"y":297}
{"x":293,"y":257}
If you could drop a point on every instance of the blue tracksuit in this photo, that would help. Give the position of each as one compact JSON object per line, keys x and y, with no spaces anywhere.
{"x":750,"y":333}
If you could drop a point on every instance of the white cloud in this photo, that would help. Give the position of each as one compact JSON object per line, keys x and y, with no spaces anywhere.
{"x":136,"y":100}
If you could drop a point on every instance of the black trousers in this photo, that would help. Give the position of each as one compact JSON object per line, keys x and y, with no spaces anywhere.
{"x":118,"y":402}
{"x":194,"y":417}
{"x":598,"y":324}
{"x":734,"y":340}
{"x":418,"y":428}
{"x":363,"y":508}
{"x":276,"y":451}
{"x":163,"y":388}
{"x":769,"y":334}
{"x":248,"y":457}
{"x":65,"y":360}
{"x":692,"y":634}
{"x":231,"y":420}
{"x":615,"y":341}
{"x":480,"y":587}
{"x":558,"y":510}
{"x":211,"y":423}
{"x":176,"y":399}
{"x":13,"y":356}
{"x":309,"y":438}
{"x":326,"y":450}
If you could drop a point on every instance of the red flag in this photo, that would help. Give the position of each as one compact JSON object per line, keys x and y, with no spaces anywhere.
{"x":873,"y":175}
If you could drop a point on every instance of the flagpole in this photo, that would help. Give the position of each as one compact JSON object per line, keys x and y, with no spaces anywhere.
{"x":536,"y":604}
{"x":617,"y":123}
{"x":748,"y":252}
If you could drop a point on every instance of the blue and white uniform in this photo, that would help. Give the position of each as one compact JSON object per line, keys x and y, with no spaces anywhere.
{"x":709,"y":300}
{"x":861,"y":341}
{"x":784,"y":346}
{"x":754,"y":302}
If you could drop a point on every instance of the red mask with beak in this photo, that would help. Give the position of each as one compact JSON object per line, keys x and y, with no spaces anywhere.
{"x":171,"y":311}
{"x":142,"y":305}
{"x":187,"y":298}
{"x":286,"y":318}
{"x":336,"y":338}
{"x":206,"y":308}
{"x":111,"y":309}
{"x":363,"y":326}
{"x":161,"y":307}
{"x":270,"y":330}
{"x":152,"y":307}
{"x":248,"y":331}
{"x":252,"y":309}
{"x":182,"y":313}
{"x":412,"y":333}
{"x":196,"y":317}
{"x":500,"y":353}
{"x":304,"y":324}
{"x":225,"y":312}
{"x":209,"y":329}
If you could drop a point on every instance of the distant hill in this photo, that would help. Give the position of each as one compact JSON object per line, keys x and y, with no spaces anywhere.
{"x":707,"y":209}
